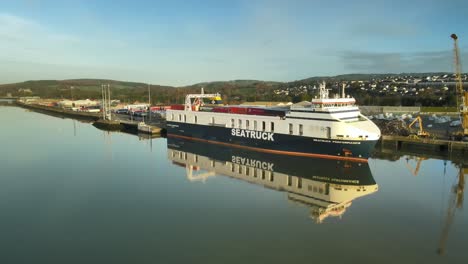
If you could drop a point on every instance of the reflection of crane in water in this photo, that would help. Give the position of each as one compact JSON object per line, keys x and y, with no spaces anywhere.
{"x":74,"y":127}
{"x":202,"y":176}
{"x":455,"y":202}
{"x":418,"y":164}
{"x":108,"y":144}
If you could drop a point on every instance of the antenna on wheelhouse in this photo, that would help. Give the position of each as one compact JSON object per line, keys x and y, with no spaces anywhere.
{"x":342,"y":90}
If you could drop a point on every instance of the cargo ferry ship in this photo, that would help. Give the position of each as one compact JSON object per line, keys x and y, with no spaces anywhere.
{"x":323,"y":128}
{"x":327,"y":187}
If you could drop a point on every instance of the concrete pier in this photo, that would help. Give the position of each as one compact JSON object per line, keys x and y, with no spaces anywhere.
{"x":424,"y":145}
{"x":61,"y":112}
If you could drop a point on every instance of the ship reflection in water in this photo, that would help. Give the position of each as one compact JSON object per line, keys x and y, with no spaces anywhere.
{"x":327,"y":187}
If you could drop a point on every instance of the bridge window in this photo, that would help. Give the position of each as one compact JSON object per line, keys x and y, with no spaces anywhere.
{"x":240,"y":123}
{"x":195,"y":119}
{"x":289,"y":180}
{"x":180,"y":117}
{"x":255,"y":125}
{"x":247,"y":171}
{"x":299,"y":182}
{"x":291,"y":129}
{"x":263,"y":125}
{"x":301,"y":130}
{"x":212,"y":120}
{"x":247,"y":124}
{"x":232,"y":122}
{"x":272,"y":176}
{"x":185,"y":118}
{"x":263,"y":174}
{"x":272,"y":126}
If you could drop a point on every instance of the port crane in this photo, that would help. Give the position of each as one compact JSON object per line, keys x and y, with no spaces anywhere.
{"x":455,"y":202}
{"x":462,"y":95}
{"x":189,"y":106}
{"x":421,"y":132}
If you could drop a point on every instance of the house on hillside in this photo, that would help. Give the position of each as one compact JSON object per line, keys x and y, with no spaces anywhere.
{"x":22,"y":90}
{"x":77,"y":103}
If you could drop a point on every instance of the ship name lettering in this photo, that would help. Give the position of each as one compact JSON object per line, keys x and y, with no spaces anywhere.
{"x":322,"y":140}
{"x":252,"y":134}
{"x":253,"y":163}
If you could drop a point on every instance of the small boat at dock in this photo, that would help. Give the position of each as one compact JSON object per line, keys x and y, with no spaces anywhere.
{"x":145,"y":128}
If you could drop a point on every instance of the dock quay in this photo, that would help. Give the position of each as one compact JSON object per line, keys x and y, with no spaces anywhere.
{"x":423,"y":145}
{"x":156,"y":126}
{"x":391,"y":154}
{"x":60,"y":112}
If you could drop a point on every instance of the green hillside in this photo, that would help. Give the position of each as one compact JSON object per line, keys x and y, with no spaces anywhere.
{"x":238,"y":90}
{"x":233,"y":91}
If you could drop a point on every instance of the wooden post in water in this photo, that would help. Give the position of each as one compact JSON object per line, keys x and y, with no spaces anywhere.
{"x":109,"y":102}
{"x":149,"y":103}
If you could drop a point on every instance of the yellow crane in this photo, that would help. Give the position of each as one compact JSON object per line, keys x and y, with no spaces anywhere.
{"x":462,"y":95}
{"x":421,"y":132}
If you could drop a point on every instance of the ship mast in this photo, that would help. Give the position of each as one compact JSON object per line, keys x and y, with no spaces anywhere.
{"x":323,"y":91}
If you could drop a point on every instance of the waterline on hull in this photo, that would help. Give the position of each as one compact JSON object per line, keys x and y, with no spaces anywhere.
{"x":291,"y":153}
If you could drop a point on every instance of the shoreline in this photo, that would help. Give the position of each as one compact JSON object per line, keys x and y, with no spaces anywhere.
{"x":388,"y":144}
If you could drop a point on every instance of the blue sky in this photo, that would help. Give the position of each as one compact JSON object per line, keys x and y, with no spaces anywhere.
{"x":185,"y":42}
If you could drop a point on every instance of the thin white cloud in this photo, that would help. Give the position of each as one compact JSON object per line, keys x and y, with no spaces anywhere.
{"x":14,"y":28}
{"x":25,"y":39}
{"x":397,"y":62}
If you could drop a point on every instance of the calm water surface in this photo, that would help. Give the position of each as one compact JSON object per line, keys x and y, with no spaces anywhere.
{"x":70,"y":193}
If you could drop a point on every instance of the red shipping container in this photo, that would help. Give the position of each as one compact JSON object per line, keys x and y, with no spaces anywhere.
{"x":238,"y":110}
{"x":177,"y":107}
{"x":255,"y":111}
{"x":221,"y":109}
